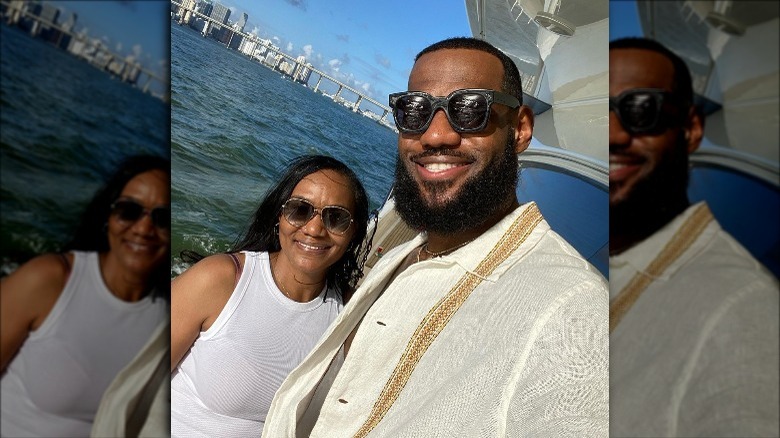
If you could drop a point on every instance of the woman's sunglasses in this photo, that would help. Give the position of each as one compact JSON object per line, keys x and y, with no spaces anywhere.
{"x":299,"y":212}
{"x":467,"y":110}
{"x":130,"y":211}
{"x":647,"y":110}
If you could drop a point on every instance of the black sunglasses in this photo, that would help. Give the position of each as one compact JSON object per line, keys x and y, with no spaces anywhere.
{"x":130,"y":211}
{"x":467,"y":110}
{"x":299,"y":212}
{"x":647,"y":110}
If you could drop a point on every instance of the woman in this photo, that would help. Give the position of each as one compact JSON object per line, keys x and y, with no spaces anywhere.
{"x":241,"y":321}
{"x":70,"y":322}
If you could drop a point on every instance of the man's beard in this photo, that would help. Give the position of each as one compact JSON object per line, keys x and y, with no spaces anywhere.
{"x":481,"y":196}
{"x":654,"y":195}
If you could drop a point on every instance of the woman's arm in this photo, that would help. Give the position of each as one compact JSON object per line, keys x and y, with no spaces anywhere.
{"x":197,"y":297}
{"x":26,"y":297}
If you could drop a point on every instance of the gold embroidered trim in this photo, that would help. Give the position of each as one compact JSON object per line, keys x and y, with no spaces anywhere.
{"x":441,"y":313}
{"x":680,"y":242}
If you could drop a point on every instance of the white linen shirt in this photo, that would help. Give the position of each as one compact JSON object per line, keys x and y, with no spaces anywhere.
{"x":697,"y":353}
{"x":525,"y":355}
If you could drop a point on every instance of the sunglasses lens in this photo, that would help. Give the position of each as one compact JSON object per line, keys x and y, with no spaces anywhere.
{"x":127,"y":210}
{"x":336,"y":219}
{"x":640,"y":111}
{"x":161,"y":217}
{"x":297,"y":212}
{"x":130,"y":211}
{"x":468,"y":111}
{"x":412,"y":112}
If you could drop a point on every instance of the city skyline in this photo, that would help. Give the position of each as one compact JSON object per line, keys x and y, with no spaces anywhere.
{"x":360,"y":44}
{"x":138,"y":29}
{"x":206,"y":18}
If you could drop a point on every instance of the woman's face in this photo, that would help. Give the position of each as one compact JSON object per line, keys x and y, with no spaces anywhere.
{"x":139,"y":245}
{"x":311,"y":249}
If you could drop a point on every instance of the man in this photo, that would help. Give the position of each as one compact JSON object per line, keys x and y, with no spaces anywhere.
{"x":485,"y":324}
{"x":693,"y":317}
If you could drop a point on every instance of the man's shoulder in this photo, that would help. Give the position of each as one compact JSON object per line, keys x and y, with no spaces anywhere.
{"x":555,"y":269}
{"x":720,"y":254}
{"x":552,"y":254}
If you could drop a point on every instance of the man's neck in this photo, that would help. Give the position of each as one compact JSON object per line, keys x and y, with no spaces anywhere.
{"x":443,"y":243}
{"x":629,"y":225}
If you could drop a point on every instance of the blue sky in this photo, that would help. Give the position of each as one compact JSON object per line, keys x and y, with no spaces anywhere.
{"x":623,"y":19}
{"x":369,"y":45}
{"x":126,"y":27}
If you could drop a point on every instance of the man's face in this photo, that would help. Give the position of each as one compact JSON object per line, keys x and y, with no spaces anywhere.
{"x":447,"y":181}
{"x":643,"y":166}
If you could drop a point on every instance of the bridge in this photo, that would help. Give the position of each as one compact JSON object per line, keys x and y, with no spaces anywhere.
{"x":79,"y":45}
{"x":188,"y":12}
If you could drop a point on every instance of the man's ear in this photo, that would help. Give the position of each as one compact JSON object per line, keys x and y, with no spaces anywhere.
{"x":694,"y":130}
{"x":524,"y":129}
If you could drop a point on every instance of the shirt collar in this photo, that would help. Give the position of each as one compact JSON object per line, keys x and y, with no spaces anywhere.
{"x":471,"y":255}
{"x":641,"y":255}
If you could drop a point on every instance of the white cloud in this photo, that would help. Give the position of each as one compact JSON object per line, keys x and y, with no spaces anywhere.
{"x":308,"y":50}
{"x":118,"y":48}
{"x":289,"y":47}
{"x":334,"y":64}
{"x":137,"y":50}
{"x":276,"y":40}
{"x":255,"y":31}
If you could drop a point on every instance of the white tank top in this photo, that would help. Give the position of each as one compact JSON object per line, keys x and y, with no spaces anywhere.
{"x":224,"y":385}
{"x":53,"y":386}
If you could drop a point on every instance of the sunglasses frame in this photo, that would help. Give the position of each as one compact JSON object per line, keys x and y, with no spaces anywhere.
{"x":317,"y":211}
{"x":663,"y":119}
{"x":437,"y":102}
{"x":144,"y":211}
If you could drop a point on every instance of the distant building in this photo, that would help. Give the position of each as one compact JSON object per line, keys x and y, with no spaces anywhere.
{"x":198,"y":24}
{"x":235,"y":40}
{"x":48,"y":30}
{"x":46,"y":16}
{"x":78,"y":45}
{"x":272,"y":59}
{"x":132,"y":70}
{"x":248,"y":46}
{"x":204,"y":8}
{"x":242,"y":22}
{"x":49,"y":13}
{"x":287,"y":67}
{"x":70,"y":23}
{"x":302,"y":70}
{"x":184,"y":13}
{"x":253,"y":47}
{"x":115,"y":66}
{"x":220,"y":13}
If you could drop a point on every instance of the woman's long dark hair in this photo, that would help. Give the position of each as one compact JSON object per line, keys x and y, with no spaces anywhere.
{"x":263,"y":235}
{"x":91,"y":233}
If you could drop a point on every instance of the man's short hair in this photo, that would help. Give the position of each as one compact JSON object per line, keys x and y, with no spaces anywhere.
{"x":511,"y":82}
{"x":682,"y":85}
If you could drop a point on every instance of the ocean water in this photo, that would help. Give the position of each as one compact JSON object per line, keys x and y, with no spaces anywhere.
{"x":234,"y":126}
{"x":65,"y":127}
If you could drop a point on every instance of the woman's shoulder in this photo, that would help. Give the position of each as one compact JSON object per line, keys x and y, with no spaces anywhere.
{"x":44,"y":272}
{"x":214,"y":270}
{"x":37,"y":284}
